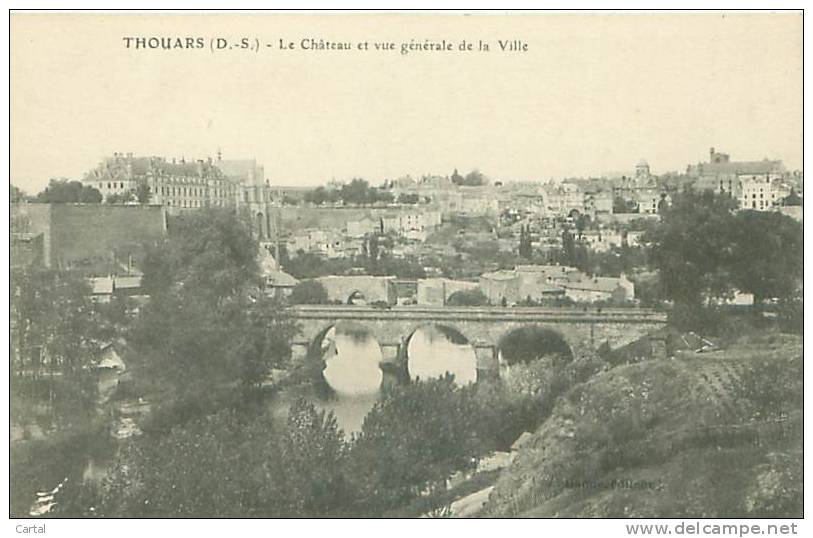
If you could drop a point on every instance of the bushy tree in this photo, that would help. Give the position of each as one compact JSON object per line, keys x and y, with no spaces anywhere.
{"x":56,"y":328}
{"x":227,"y":464}
{"x":223,"y":330}
{"x":309,"y":292}
{"x":60,"y":191}
{"x":702,"y":250}
{"x":527,"y":344}
{"x":413,"y":439}
{"x":122,"y":198}
{"x":767,"y":257}
{"x":142,"y":193}
{"x":693,"y":246}
{"x":312,"y":454}
{"x":475,"y":178}
{"x":16,"y":194}
{"x":473,"y":297}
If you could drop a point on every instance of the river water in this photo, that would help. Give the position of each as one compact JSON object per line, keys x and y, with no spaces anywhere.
{"x":352,"y":370}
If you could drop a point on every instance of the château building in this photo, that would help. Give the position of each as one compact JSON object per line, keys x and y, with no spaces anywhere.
{"x":187,"y":185}
{"x":723,"y":175}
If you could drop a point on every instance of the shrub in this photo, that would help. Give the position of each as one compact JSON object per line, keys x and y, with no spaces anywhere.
{"x":473,"y":297}
{"x":309,"y":292}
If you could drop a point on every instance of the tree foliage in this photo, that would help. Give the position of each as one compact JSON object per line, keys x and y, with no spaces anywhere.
{"x":767,"y":259}
{"x":414,"y":438}
{"x":120,"y":198}
{"x":528,"y":344}
{"x":309,"y":292}
{"x":60,"y":191}
{"x":229,"y":464}
{"x":704,"y":251}
{"x":693,"y":246}
{"x":475,"y":178}
{"x":525,"y":247}
{"x":357,"y":192}
{"x":473,"y":297}
{"x":16,"y":194}
{"x":205,"y":278}
{"x":57,"y":329}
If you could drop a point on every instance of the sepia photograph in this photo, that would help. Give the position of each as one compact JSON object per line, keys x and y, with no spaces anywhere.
{"x":407,"y":264}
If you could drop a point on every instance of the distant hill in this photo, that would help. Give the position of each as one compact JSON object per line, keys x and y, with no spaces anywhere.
{"x":717,"y":434}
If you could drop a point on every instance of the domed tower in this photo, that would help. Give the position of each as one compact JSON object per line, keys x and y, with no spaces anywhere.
{"x":642,"y":169}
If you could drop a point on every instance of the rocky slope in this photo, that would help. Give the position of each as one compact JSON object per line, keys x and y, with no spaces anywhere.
{"x":704,"y":435}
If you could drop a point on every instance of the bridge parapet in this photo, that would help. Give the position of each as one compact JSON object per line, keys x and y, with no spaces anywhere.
{"x":483,"y":327}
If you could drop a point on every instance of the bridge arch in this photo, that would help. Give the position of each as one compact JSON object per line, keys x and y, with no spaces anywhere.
{"x":348,"y":357}
{"x":356,"y":297}
{"x":530,"y":342}
{"x":432,"y":349}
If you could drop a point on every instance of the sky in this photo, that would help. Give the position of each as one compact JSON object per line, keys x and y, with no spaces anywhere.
{"x":593,"y":93}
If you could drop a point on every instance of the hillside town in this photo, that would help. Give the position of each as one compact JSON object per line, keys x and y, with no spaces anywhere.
{"x":407,"y":264}
{"x":116,"y":277}
{"x":515,"y":243}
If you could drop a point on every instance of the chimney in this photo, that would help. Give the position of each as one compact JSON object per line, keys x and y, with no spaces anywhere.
{"x":711,"y":154}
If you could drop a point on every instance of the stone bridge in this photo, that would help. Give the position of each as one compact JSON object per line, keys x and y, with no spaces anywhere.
{"x":483,"y":327}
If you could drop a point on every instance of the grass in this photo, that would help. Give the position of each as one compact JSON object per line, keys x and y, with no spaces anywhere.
{"x":718,"y":432}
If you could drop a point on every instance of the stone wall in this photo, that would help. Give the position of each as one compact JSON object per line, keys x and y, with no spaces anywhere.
{"x":81,"y":235}
{"x":373,"y":288}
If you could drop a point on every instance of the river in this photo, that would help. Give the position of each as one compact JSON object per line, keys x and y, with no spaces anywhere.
{"x":352,"y":370}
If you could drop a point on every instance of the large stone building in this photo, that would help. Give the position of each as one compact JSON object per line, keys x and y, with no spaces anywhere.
{"x":552,"y":282}
{"x":182,"y":185}
{"x":723,"y":175}
{"x":641,"y":191}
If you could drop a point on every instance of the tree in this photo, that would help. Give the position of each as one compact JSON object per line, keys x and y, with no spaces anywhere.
{"x":371,"y":252}
{"x":119,"y":198}
{"x":207,"y":252}
{"x":620,"y":205}
{"x":205,"y":278}
{"x":531,"y":343}
{"x":582,"y":222}
{"x":693,"y":246}
{"x":313,"y":454}
{"x":357,"y":192}
{"x":767,"y":257}
{"x":309,"y":292}
{"x":457,"y":179}
{"x":473,"y":297}
{"x":792,"y":199}
{"x":525,"y":247}
{"x":475,"y":178}
{"x":142,"y":193}
{"x":57,"y":329}
{"x":318,"y":196}
{"x":60,"y":191}
{"x":413,"y":439}
{"x":16,"y":194}
{"x":568,"y":248}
